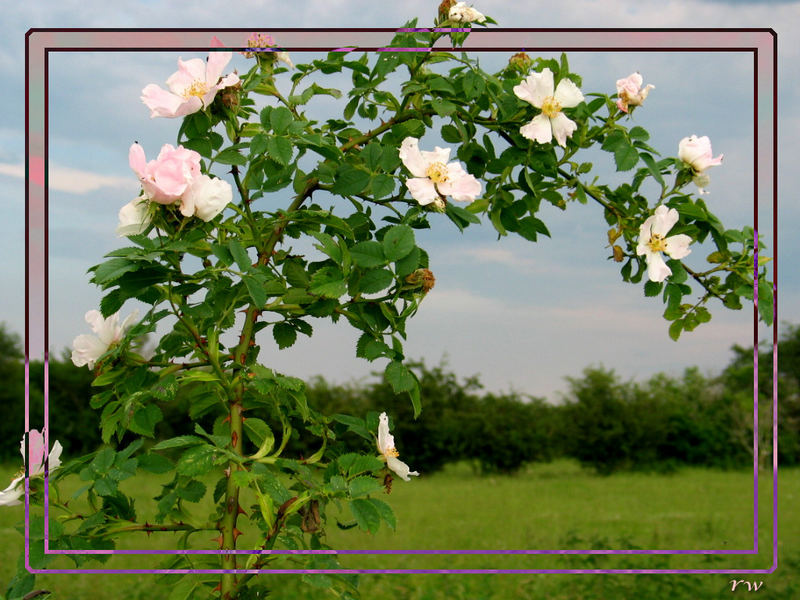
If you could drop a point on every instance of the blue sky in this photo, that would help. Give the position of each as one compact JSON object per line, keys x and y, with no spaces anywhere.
{"x":522,"y":315}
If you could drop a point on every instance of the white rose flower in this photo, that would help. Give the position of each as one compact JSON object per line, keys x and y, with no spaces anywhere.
{"x":653,"y":241}
{"x":387,"y":449}
{"x":88,"y":348}
{"x":206,"y":197}
{"x":461,"y":13}
{"x":134,"y":217}
{"x":538,"y":89}
{"x":434,"y":176}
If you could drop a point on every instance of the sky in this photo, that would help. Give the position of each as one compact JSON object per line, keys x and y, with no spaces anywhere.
{"x":524,"y":316}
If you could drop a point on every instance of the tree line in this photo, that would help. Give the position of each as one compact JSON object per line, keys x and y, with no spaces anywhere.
{"x":602,"y":421}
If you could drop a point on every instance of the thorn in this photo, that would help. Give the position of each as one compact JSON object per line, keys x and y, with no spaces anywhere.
{"x":236,"y":534}
{"x":227,"y":471}
{"x":242,"y":512}
{"x":234,"y":438}
{"x":218,"y":588}
{"x":219,"y":540}
{"x":244,"y":418}
{"x":227,"y":419}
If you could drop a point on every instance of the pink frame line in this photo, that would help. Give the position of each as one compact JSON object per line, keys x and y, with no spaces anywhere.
{"x":761,"y":43}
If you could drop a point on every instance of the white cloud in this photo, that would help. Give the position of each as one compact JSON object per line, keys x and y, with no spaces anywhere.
{"x":73,"y":181}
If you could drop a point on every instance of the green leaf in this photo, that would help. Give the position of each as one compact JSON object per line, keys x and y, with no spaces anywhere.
{"x":399,"y":377}
{"x":675,"y":330}
{"x":398,"y":242}
{"x":258,"y":432}
{"x":285,"y":335}
{"x":381,"y":185}
{"x":375,"y":280}
{"x":626,"y":157}
{"x":385,"y":511}
{"x":367,"y":254}
{"x":255,"y":287}
{"x":179,"y":442}
{"x":231,"y":156}
{"x":280,"y":118}
{"x":652,"y":288}
{"x":145,"y":420}
{"x":765,"y":301}
{"x":365,"y":514}
{"x":639,"y":133}
{"x":193,"y":491}
{"x":239,"y":254}
{"x":154,"y":463}
{"x":328,"y":282}
{"x":196,"y":461}
{"x":371,"y":154}
{"x":350,"y":180}
{"x":363,"y":485}
{"x":112,"y":270}
{"x":279,"y":149}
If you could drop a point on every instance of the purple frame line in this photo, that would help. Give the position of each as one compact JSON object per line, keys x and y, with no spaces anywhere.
{"x":443,"y":552}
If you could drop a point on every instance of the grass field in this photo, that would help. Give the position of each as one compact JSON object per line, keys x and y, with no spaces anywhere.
{"x":553,"y":506}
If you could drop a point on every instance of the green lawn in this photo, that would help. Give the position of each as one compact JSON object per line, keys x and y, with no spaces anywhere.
{"x":545,"y":507}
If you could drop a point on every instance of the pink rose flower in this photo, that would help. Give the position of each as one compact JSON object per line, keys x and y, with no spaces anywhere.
{"x":192,"y":87}
{"x":631,"y":92}
{"x":165,"y":179}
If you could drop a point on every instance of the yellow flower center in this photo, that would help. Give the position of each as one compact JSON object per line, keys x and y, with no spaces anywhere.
{"x":657,"y":243}
{"x":437,"y":172}
{"x":198,"y":89}
{"x":550,"y":107}
{"x":391,"y":452}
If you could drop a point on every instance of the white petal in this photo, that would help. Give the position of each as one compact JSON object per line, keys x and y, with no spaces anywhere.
{"x":422,"y":190}
{"x":412,"y":157}
{"x":207,"y":196}
{"x":664,"y":220}
{"x":677,"y":246}
{"x":538,"y":130}
{"x":562,"y":128}
{"x":536,"y":88}
{"x":402,"y":469}
{"x":567,"y":94}
{"x":385,"y":440}
{"x":657,"y":269}
{"x":87,"y":349}
{"x":441,"y":155}
{"x":12,"y":494}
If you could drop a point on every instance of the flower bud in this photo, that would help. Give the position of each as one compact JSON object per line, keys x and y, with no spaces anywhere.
{"x":421,"y":278}
{"x":521,"y":62}
{"x":444,"y":9}
{"x":229,"y":96}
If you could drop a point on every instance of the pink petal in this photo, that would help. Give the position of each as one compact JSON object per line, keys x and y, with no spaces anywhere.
{"x":194,"y":69}
{"x":461,"y":186}
{"x":161,"y":102}
{"x":137,"y":160}
{"x":422,"y":190}
{"x":538,"y":130}
{"x":217,"y":61}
